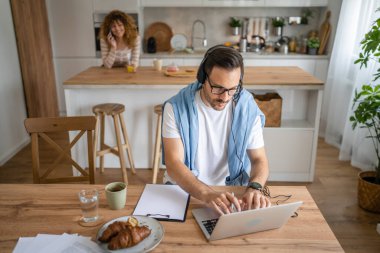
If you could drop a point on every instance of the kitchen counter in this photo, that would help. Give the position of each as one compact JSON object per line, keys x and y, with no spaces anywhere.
{"x":247,"y":55}
{"x":257,"y":77}
{"x":291,"y":148}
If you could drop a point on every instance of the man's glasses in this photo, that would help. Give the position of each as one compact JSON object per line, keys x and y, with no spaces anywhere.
{"x":217,"y":90}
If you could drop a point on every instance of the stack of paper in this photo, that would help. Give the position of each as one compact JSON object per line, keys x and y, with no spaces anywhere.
{"x":44,"y":243}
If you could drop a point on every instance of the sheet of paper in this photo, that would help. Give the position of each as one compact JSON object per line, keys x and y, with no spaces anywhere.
{"x":45,"y":243}
{"x":22,"y":245}
{"x":164,"y":202}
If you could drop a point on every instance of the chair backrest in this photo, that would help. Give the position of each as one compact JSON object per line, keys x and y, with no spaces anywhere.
{"x":38,"y":127}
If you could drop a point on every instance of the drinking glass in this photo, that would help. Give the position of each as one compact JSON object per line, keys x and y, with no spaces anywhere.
{"x":89,"y":201}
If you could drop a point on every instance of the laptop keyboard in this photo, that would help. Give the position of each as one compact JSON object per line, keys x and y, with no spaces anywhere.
{"x":210,"y":225}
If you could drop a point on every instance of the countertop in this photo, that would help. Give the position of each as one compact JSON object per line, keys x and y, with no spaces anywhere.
{"x":247,"y":55}
{"x":258,"y":77}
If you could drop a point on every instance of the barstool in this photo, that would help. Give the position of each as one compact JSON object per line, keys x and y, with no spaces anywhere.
{"x":116,"y":111}
{"x":157,"y":146}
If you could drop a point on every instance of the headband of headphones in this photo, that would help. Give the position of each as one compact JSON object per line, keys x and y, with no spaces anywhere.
{"x":202,"y":74}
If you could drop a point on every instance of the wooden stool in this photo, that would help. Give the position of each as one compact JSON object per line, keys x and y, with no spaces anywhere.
{"x":116,"y":111}
{"x":157,"y":146}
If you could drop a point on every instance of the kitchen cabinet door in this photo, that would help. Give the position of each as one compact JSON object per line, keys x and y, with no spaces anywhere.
{"x":233,"y":3}
{"x":109,"y":5}
{"x":170,"y":3}
{"x":71,"y":28}
{"x":295,"y":3}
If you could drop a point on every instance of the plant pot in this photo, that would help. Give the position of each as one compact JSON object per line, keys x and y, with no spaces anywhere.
{"x":368,"y":192}
{"x":277,"y":31}
{"x":235,"y":30}
{"x":312,"y":51}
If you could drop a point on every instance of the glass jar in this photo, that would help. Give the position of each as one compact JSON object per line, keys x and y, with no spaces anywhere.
{"x":292,"y":45}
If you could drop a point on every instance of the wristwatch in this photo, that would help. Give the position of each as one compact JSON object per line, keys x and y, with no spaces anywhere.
{"x":255,"y":185}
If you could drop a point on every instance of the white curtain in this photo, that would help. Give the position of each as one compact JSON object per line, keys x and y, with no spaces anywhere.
{"x":356,"y":18}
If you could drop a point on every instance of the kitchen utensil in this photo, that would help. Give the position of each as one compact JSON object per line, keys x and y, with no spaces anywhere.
{"x":162,"y":34}
{"x":257,"y":43}
{"x":243,"y":45}
{"x":324,"y":33}
{"x":178,"y":42}
{"x":282,"y":41}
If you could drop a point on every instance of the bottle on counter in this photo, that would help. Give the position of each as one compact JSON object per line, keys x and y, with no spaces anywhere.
{"x":243,"y":45}
{"x":293,"y":45}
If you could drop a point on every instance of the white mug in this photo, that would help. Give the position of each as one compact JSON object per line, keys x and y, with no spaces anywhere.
{"x":157,"y":64}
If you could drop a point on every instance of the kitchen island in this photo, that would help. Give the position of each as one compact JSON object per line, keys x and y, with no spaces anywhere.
{"x":291,"y":148}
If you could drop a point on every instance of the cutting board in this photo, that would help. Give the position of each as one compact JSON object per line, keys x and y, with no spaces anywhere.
{"x":181,"y":73}
{"x":324,"y":33}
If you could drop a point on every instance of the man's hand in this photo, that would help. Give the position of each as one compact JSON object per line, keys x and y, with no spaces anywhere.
{"x":253,"y":199}
{"x":222,"y":202}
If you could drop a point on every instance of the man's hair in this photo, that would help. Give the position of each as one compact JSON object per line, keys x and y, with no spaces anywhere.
{"x":222,"y":57}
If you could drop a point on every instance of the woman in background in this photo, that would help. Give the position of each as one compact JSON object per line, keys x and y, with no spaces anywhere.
{"x":119,"y":40}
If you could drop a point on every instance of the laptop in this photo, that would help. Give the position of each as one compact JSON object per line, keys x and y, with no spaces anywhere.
{"x":215,"y":226}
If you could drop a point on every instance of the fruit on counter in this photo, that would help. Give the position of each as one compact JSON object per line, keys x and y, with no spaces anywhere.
{"x":227,"y":44}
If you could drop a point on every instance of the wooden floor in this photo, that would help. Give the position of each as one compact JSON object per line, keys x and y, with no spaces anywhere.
{"x":334,"y":191}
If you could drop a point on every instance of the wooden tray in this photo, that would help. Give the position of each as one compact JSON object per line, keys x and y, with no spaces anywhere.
{"x":181,"y":73}
{"x":162,"y":33}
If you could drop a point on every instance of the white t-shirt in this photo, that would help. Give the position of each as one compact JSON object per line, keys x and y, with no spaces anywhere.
{"x":211,"y":157}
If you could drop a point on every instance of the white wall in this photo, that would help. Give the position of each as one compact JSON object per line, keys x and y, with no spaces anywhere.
{"x":13,"y":135}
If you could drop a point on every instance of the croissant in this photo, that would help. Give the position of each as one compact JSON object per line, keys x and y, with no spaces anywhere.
{"x":112,"y":230}
{"x":129,"y":237}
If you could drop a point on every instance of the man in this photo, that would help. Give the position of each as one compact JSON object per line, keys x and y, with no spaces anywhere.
{"x":212,"y":135}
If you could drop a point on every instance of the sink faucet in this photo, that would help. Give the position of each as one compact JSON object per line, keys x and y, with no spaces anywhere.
{"x":204,"y":40}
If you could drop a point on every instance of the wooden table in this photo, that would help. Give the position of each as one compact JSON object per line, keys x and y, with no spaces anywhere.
{"x":27,"y":210}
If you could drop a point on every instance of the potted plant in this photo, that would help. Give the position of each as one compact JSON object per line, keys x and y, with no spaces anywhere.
{"x":366,"y":114}
{"x":278,"y":23}
{"x":306,"y":13}
{"x":235,"y":24}
{"x":312,"y":45}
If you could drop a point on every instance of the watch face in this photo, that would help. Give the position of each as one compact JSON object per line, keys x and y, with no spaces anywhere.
{"x":255,"y":185}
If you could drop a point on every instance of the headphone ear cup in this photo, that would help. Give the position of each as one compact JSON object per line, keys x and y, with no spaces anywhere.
{"x":201,"y":76}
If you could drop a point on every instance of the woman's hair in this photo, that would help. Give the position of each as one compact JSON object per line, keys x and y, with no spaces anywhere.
{"x":130,"y":27}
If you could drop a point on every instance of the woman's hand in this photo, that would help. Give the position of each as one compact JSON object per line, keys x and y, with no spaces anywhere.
{"x":253,"y":199}
{"x":111,"y":40}
{"x":222,"y":202}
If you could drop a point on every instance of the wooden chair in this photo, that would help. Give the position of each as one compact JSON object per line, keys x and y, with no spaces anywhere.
{"x":158,"y":145}
{"x":39,"y":127}
{"x":116,"y":111}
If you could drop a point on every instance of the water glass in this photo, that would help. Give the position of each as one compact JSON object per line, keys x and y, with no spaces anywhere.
{"x":89,"y":201}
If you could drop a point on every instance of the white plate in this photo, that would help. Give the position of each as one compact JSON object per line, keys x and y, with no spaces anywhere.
{"x":178,"y":41}
{"x":147,"y":244}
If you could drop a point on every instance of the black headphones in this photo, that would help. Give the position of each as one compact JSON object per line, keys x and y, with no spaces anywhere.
{"x":202,"y":75}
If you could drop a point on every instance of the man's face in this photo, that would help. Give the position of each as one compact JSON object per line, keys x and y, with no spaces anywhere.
{"x":220,"y":81}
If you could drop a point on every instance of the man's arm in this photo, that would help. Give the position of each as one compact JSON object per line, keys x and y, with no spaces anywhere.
{"x":179,"y":172}
{"x":252,"y":198}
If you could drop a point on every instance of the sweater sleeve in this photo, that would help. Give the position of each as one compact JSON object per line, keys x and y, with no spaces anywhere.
{"x":135,"y":57}
{"x":108,"y":55}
